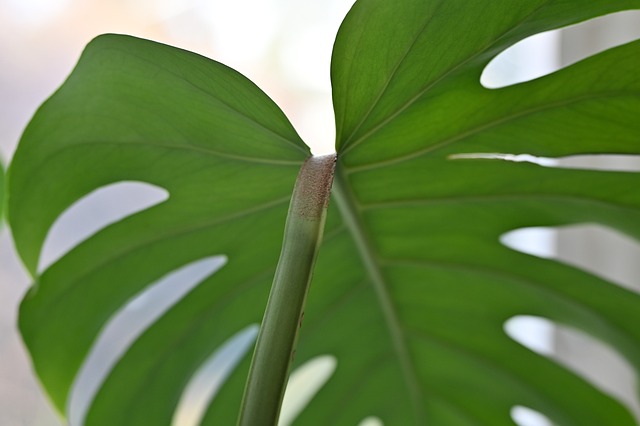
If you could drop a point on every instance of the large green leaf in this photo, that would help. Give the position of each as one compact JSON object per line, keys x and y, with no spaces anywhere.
{"x":427,"y":227}
{"x":141,"y":111}
{"x":412,"y":287}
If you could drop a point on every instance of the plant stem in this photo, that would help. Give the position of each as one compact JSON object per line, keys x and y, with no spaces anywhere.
{"x":274,"y":350}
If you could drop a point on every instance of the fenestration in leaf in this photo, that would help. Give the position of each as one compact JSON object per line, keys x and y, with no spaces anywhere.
{"x":427,"y":227}
{"x":412,"y":287}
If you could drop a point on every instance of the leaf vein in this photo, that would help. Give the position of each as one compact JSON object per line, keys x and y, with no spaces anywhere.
{"x":215,"y":98}
{"x":72,"y":283}
{"x":486,"y":126}
{"x":347,"y":205}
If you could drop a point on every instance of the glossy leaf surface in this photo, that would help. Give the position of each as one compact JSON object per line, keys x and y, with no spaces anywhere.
{"x":412,"y":286}
{"x":137,"y":110}
{"x":427,"y":225}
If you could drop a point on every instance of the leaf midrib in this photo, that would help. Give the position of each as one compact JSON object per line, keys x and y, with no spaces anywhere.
{"x":348,"y":207}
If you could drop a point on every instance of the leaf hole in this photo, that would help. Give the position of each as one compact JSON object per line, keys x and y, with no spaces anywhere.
{"x":94,"y":212}
{"x":603,"y":162}
{"x":591,"y":359}
{"x":304,"y":383}
{"x":531,"y":58}
{"x":516,"y":158}
{"x":525,"y":416}
{"x":599,"y":34}
{"x":601,"y":251}
{"x":537,"y":241}
{"x":371,"y":421}
{"x":599,"y":364}
{"x":210,"y":377}
{"x":545,"y":53}
{"x":596,"y":249}
{"x":532,"y":332}
{"x":128,"y":323}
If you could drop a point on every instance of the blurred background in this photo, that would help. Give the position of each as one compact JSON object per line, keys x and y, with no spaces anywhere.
{"x":284,"y":46}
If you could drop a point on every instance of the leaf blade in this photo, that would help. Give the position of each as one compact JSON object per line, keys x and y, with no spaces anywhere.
{"x":422,"y":211}
{"x":215,"y":136}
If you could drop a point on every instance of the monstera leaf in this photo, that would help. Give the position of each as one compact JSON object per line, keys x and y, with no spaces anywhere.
{"x":412,"y":287}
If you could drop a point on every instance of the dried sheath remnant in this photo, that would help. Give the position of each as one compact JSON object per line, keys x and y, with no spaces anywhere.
{"x":313,"y":186}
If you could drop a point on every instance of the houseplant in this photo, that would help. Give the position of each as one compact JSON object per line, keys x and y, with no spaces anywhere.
{"x":412,"y":285}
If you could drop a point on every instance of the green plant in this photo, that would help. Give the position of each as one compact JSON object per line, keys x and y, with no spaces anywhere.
{"x":412,"y":286}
